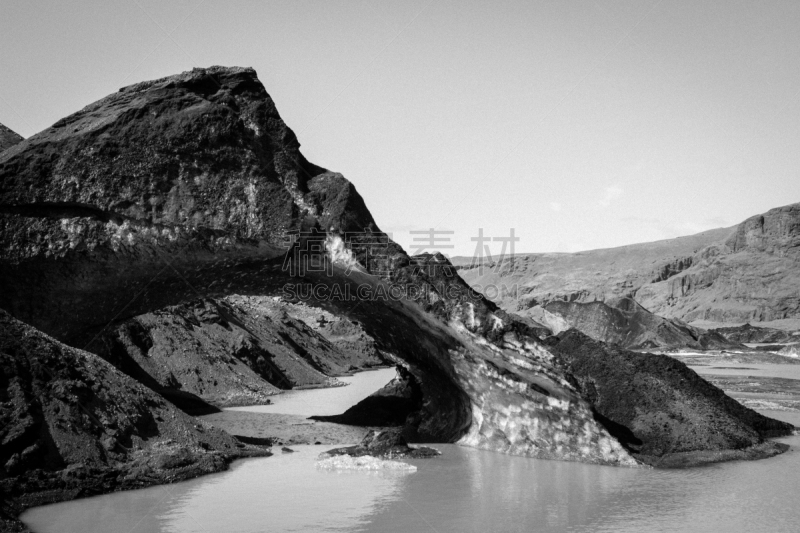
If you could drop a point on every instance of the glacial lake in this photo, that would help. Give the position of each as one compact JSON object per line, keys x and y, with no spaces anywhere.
{"x":325,"y":402}
{"x":464,"y":490}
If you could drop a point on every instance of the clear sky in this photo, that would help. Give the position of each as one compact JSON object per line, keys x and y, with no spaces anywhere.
{"x":580,"y":124}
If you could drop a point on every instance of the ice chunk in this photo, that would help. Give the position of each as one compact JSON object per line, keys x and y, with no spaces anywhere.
{"x":366,"y":462}
{"x":793,"y":351}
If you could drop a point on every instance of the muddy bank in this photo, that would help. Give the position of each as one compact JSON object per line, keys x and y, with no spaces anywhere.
{"x":286,"y":429}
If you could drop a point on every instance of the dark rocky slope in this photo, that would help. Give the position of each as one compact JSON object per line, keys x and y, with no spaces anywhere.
{"x":232,"y":351}
{"x":71,"y":425}
{"x":624,"y":322}
{"x":348,"y":336}
{"x":660,"y":409}
{"x":750,"y":272}
{"x":8,"y":138}
{"x":755,"y":334}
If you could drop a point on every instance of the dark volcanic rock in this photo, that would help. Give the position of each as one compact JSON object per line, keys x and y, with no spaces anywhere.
{"x":238,"y":350}
{"x":385,"y":443}
{"x":347,"y":335}
{"x":628,"y":324}
{"x":234,"y":351}
{"x":8,"y":138}
{"x":660,"y":409}
{"x":750,"y":333}
{"x":71,"y":425}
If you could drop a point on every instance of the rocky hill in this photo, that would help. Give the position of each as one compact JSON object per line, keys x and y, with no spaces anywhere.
{"x":750,"y":272}
{"x":175,"y":229}
{"x":663,"y":412}
{"x":750,"y":333}
{"x":627,"y":324}
{"x":8,"y":138}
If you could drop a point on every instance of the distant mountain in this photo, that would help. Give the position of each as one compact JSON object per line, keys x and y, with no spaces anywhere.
{"x":8,"y":138}
{"x":750,"y":272}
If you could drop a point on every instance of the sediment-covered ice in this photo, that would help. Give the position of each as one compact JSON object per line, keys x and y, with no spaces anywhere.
{"x":346,"y":462}
{"x":793,"y":351}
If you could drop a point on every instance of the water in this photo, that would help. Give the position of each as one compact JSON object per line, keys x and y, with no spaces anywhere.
{"x":464,"y":490}
{"x":324,"y":402}
{"x":750,"y":369}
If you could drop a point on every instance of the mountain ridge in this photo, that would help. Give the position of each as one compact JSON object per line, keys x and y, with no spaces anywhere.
{"x":8,"y":138}
{"x":712,"y":276}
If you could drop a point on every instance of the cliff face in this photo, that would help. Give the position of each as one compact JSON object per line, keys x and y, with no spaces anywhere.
{"x":8,"y":138}
{"x":747,"y":273}
{"x":776,"y":232}
{"x":754,"y":275}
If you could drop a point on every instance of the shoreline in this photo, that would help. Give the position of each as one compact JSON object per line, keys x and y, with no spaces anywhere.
{"x":106,"y":481}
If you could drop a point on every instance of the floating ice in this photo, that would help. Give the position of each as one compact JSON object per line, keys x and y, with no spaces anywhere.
{"x":346,"y":462}
{"x":793,"y":351}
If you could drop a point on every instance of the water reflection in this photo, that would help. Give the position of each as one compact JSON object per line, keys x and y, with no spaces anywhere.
{"x":472,"y":490}
{"x":464,"y":490}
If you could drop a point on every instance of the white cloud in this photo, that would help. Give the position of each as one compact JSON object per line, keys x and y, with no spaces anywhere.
{"x":555,"y":206}
{"x":610,"y":194}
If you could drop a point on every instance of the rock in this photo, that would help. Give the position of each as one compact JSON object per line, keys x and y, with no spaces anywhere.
{"x":661,"y":410}
{"x":792,"y":350}
{"x":287,"y":450}
{"x":347,"y":335}
{"x":72,"y":423}
{"x":624,"y":322}
{"x":8,"y":138}
{"x":755,"y":334}
{"x":231,"y":351}
{"x":388,"y":443}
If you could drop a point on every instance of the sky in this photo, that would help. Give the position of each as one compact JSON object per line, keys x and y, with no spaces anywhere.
{"x":576,"y":124}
